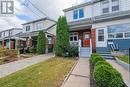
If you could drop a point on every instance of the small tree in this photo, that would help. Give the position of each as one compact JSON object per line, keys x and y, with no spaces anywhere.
{"x":62,"y":36}
{"x":41,"y":46}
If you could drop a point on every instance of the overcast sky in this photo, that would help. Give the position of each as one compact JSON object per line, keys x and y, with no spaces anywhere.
{"x":25,"y":11}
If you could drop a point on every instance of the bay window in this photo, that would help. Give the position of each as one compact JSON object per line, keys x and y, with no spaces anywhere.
{"x":119,"y":31}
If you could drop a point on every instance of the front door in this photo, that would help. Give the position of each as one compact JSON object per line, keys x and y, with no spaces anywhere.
{"x":86,"y":39}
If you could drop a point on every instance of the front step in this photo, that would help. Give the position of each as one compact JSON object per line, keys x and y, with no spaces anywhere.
{"x":107,"y":56}
{"x":84,"y":52}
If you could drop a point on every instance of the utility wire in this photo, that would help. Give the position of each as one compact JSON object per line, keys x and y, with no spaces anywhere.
{"x":38,"y":9}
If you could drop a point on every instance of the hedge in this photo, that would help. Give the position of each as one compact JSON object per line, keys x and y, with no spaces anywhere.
{"x":104,"y":74}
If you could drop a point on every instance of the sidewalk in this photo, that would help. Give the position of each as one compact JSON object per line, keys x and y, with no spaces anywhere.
{"x":122,"y":70}
{"x":79,"y":77}
{"x":12,"y":67}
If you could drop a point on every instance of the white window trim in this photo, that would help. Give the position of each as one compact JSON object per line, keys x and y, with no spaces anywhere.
{"x":110,"y":8}
{"x":78,"y":14}
{"x":73,"y":35}
{"x":120,"y":38}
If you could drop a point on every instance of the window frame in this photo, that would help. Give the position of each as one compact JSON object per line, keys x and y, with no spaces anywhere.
{"x":77,"y":15}
{"x":103,"y":35}
{"x":28,"y":27}
{"x":115,"y":33}
{"x":73,"y":35}
{"x":41,"y":25}
{"x":110,"y":5}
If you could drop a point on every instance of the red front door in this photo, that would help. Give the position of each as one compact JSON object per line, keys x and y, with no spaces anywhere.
{"x":86,"y":39}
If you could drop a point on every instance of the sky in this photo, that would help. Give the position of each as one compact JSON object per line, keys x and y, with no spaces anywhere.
{"x":27,"y":10}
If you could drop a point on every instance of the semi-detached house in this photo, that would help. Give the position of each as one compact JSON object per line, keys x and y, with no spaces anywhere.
{"x":99,"y":25}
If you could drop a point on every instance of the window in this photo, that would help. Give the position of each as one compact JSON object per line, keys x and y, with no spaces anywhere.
{"x":105,"y":6}
{"x":81,"y":13}
{"x":27,"y":28}
{"x":101,"y":35}
{"x":39,"y":26}
{"x":73,"y":36}
{"x":109,"y":6}
{"x":119,"y":31}
{"x":127,"y":34}
{"x":78,"y":13}
{"x":115,"y":5}
{"x":75,"y":14}
{"x":50,"y":40}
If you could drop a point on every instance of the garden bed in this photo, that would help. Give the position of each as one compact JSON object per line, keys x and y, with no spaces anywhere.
{"x":92,"y":81}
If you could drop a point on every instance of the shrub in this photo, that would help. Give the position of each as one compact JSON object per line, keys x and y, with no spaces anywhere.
{"x":97,"y":58}
{"x":106,"y":76}
{"x":41,"y":46}
{"x":102,"y":63}
{"x":73,"y":51}
{"x":94,"y":55}
{"x":33,"y":50}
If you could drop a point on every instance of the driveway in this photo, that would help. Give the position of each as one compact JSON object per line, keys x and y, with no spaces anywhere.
{"x":12,"y":67}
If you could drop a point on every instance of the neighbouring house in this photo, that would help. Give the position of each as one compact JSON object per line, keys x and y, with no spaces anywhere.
{"x":99,"y":25}
{"x":8,"y":39}
{"x":31,"y":30}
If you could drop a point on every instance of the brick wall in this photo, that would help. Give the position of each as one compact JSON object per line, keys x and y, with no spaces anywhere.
{"x":93,"y":36}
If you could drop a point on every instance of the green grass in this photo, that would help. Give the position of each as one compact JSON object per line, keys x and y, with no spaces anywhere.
{"x":49,"y":73}
{"x":124,"y":58}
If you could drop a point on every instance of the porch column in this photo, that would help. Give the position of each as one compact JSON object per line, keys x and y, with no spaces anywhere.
{"x":93,"y":36}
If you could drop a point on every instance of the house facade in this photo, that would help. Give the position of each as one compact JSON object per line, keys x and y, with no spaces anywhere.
{"x":100,"y":25}
{"x":31,"y":30}
{"x":8,"y":39}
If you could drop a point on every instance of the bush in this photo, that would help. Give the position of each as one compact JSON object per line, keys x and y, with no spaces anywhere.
{"x":94,"y":55}
{"x":33,"y":50}
{"x":106,"y":76}
{"x":73,"y":51}
{"x":41,"y":46}
{"x":95,"y":59}
{"x":102,"y":63}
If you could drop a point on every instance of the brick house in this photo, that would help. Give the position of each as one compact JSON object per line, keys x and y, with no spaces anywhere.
{"x":99,"y":25}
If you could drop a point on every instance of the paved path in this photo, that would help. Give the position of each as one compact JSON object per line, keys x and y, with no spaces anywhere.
{"x":122,"y":70}
{"x":12,"y":67}
{"x":80,"y":75}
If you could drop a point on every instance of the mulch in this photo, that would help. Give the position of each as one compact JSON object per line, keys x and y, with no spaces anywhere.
{"x":92,"y":81}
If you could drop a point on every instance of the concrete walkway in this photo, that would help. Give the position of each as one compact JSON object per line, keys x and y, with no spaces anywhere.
{"x":79,"y":77}
{"x":12,"y":67}
{"x":122,"y":70}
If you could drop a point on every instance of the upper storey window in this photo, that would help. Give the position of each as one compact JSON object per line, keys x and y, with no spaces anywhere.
{"x":110,"y":6}
{"x":115,"y":5}
{"x":75,"y":14}
{"x":105,"y":6}
{"x":39,"y":26}
{"x":78,"y":13}
{"x":27,"y":28}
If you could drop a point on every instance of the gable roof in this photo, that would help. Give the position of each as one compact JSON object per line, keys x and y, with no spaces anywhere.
{"x":82,"y":5}
{"x":46,"y":18}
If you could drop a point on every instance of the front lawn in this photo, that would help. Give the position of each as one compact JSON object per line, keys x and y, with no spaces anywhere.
{"x":49,"y":73}
{"x":124,"y":58}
